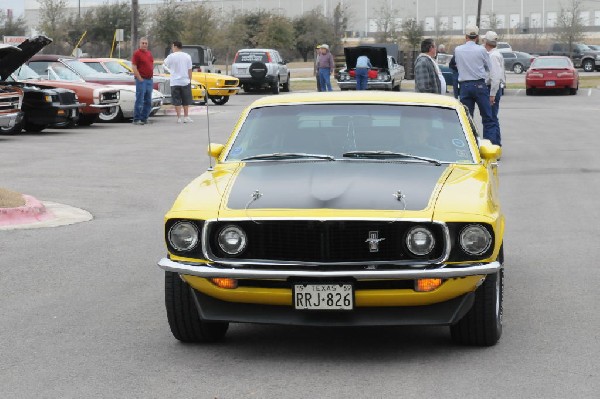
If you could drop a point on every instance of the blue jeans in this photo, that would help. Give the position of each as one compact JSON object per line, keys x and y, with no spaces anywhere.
{"x":455,"y":87}
{"x":362,"y":78}
{"x":476,"y":92}
{"x":324,"y":79}
{"x":495,"y":109}
{"x":143,"y":100}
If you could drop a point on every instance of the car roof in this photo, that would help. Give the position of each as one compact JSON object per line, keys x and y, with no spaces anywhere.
{"x":362,"y":96}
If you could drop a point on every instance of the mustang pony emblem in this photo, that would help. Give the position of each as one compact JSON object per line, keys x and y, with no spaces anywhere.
{"x":374,"y":241}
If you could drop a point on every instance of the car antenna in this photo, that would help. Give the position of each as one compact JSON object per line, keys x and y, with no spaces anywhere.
{"x":210,"y":165}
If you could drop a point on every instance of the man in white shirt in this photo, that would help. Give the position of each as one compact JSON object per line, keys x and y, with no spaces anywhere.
{"x":179,"y":64}
{"x":495,"y":81}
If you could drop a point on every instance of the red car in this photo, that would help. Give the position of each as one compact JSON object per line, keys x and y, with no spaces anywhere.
{"x":552,"y":73}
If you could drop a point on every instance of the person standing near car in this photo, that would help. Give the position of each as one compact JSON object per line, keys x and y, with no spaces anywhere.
{"x":496,"y":80}
{"x":428,"y":77}
{"x":363,"y":66}
{"x":143,"y":70}
{"x":179,"y":64}
{"x":473,"y":63}
{"x":325,"y":68}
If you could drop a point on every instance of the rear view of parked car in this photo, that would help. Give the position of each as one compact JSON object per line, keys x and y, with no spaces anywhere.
{"x":261,"y":69}
{"x":386,"y":73}
{"x":552,"y":73}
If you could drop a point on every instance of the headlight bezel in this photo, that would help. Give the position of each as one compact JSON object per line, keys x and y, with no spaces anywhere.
{"x":176,"y":242}
{"x":410,"y":237}
{"x":232,"y":229}
{"x":475,"y":228}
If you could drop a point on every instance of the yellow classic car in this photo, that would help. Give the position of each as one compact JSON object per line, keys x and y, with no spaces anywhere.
{"x":341,"y":209}
{"x":219,"y":86}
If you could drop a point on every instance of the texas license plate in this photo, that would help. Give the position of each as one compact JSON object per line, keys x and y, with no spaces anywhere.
{"x":323,"y":296}
{"x":550,"y":83}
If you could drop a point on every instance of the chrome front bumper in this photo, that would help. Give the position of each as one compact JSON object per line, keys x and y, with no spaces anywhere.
{"x":447,"y":271}
{"x":9,"y":120}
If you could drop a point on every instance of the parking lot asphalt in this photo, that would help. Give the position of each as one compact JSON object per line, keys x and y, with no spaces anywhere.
{"x":83,"y":304}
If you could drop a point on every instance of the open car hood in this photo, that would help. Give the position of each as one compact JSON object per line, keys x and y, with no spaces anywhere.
{"x":11,"y":57}
{"x":377,"y":55}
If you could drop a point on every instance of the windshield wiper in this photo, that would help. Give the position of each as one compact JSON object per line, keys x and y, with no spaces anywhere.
{"x":388,"y":154}
{"x":287,"y":155}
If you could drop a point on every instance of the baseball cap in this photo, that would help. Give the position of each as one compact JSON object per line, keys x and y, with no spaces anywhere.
{"x":491,"y":37}
{"x":472,"y":31}
{"x":325,"y":46}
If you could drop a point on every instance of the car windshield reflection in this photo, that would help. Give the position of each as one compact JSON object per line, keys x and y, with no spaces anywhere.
{"x":377,"y":132}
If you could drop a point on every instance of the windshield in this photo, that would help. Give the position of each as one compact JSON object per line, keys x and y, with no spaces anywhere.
{"x":82,"y":69}
{"x":374,"y":131}
{"x":54,"y":70}
{"x":116,"y":67}
{"x":25,"y":72}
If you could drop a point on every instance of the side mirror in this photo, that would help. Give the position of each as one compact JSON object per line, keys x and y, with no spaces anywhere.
{"x":489,"y":151}
{"x":215,"y":150}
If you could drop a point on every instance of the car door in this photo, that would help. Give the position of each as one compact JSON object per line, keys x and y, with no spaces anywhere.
{"x":509,"y":60}
{"x":281,"y":69}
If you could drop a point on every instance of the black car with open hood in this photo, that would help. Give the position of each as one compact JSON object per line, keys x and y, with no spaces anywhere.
{"x":385,"y":74}
{"x":42,"y":106}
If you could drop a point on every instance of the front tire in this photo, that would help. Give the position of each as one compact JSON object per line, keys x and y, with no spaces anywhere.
{"x":286,"y":85}
{"x":482,"y":325}
{"x":184,"y":321}
{"x":33,"y":127}
{"x":87,"y":119}
{"x":16,"y":129}
{"x":112,"y":114}
{"x":219,"y":100}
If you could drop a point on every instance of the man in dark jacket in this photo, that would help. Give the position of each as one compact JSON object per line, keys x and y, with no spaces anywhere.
{"x":427,"y":78}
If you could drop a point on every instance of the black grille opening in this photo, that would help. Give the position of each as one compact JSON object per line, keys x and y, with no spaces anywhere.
{"x":325,"y":241}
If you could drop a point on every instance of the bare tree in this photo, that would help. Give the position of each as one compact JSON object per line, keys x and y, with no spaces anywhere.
{"x":11,"y":27}
{"x":341,"y":16}
{"x":387,"y":28}
{"x":52,"y":20}
{"x":569,"y":27}
{"x":412,"y":33}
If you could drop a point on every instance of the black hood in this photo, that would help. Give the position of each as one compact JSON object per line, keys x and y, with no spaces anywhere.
{"x":335,"y":185}
{"x":11,"y":58}
{"x":377,"y":56}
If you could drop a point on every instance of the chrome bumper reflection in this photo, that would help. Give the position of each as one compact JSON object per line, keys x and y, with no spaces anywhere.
{"x":450,"y":271}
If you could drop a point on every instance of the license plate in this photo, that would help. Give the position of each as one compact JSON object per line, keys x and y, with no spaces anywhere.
{"x":323,"y":297}
{"x":550,"y":83}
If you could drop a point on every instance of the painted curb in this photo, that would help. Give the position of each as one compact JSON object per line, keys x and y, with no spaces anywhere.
{"x":56,"y":215}
{"x":33,"y":211}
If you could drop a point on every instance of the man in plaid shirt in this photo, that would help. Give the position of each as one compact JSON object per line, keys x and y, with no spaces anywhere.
{"x":427,"y":74}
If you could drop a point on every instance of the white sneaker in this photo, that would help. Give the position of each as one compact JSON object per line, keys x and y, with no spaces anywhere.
{"x":187,"y":119}
{"x":178,"y":120}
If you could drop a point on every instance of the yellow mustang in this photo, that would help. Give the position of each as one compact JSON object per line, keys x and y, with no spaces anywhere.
{"x":341,"y":209}
{"x":218,"y":86}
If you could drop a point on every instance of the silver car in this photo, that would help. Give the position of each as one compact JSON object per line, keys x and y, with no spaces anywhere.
{"x":261,"y":68}
{"x":386,"y":73}
{"x":517,"y":61}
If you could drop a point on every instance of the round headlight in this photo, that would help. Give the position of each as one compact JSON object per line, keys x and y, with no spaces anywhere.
{"x":475,"y":239}
{"x":183,"y":236}
{"x":232,"y":240}
{"x":420,"y":241}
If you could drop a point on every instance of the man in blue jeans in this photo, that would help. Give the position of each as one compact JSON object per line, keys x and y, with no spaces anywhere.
{"x":363,"y":66}
{"x":326,"y":66}
{"x":143,"y":70}
{"x":473,"y":63}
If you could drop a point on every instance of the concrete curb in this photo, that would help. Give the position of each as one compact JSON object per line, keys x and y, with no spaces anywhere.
{"x":33,"y":211}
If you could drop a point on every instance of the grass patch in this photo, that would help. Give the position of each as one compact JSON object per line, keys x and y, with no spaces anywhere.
{"x":10,"y":199}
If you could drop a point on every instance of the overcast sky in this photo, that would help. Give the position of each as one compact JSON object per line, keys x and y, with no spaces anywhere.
{"x":18,"y":6}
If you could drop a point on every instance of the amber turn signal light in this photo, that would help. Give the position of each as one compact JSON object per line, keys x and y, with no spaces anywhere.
{"x":427,"y":284}
{"x":228,"y":283}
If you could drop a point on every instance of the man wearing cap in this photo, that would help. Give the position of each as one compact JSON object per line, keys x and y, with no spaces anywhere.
{"x":325,"y":67}
{"x":473,"y":64}
{"x":496,"y":80}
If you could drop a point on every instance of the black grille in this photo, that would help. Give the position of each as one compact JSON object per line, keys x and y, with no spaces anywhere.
{"x":231,"y":82}
{"x":67,"y":97}
{"x":327,"y":241}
